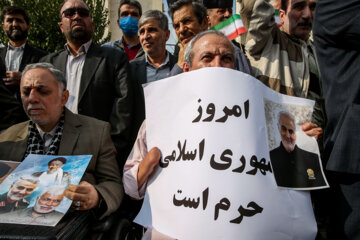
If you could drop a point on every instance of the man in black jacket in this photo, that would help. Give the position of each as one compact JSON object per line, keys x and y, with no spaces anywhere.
{"x":14,"y":57}
{"x":97,"y":77}
{"x":294,"y":167}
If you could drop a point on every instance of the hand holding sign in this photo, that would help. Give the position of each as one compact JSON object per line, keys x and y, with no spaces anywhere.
{"x":85,"y":193}
{"x":147,"y":166}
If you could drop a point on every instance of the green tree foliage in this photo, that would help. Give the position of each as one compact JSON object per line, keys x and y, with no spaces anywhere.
{"x":44,"y":18}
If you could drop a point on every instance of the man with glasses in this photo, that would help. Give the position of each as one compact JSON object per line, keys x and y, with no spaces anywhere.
{"x":97,"y":77}
{"x":14,"y":198}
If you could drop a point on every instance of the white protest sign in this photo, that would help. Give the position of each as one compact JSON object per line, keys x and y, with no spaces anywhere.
{"x":215,"y":181}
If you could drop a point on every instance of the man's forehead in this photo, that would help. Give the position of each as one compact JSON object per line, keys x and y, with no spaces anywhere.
{"x":74,"y":4}
{"x":213,"y":40}
{"x":292,"y":2}
{"x":286,"y":120}
{"x":14,"y":15}
{"x":150,"y":23}
{"x":128,"y":7}
{"x":180,"y":13}
{"x":56,"y":162}
{"x":24,"y":183}
{"x":38,"y":76}
{"x":49,"y":195}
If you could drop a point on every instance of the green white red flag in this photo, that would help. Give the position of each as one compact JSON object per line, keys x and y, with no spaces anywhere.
{"x":233,"y":26}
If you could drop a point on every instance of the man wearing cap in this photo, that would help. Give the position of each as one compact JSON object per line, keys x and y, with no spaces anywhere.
{"x":217,"y":12}
{"x":54,"y":174}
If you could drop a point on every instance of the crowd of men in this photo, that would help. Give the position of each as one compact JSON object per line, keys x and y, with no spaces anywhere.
{"x":88,"y":99}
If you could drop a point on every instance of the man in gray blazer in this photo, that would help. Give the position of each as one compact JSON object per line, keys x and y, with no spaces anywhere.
{"x":97,"y":77}
{"x":54,"y":130}
{"x":157,"y":62}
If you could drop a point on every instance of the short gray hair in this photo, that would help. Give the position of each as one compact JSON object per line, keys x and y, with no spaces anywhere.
{"x":189,"y":53}
{"x":59,"y":76}
{"x":27,"y":178}
{"x":286,"y":114}
{"x":157,"y":15}
{"x":54,"y":190}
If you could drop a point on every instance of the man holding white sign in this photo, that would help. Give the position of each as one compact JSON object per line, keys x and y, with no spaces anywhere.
{"x":214,"y":50}
{"x":215,"y":171}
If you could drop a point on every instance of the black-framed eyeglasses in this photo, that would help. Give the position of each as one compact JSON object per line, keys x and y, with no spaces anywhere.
{"x":70,"y":12}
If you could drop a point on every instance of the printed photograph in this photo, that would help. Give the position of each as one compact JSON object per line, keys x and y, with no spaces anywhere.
{"x":34,"y":192}
{"x":294,"y":156}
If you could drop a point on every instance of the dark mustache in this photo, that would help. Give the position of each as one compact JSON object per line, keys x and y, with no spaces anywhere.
{"x":15,"y":28}
{"x":305,"y":23}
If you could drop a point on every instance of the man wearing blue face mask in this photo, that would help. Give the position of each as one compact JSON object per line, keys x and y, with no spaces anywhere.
{"x":129,"y":13}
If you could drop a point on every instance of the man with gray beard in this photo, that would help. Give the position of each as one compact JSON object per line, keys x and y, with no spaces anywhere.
{"x":14,"y":198}
{"x":43,"y":212}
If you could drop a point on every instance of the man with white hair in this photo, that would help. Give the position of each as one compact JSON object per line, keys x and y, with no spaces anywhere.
{"x":293,"y":166}
{"x":43,"y":212}
{"x":19,"y":189}
{"x":44,"y":95}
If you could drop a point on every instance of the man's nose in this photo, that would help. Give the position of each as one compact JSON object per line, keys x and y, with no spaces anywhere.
{"x":216,"y":62}
{"x":306,"y":13}
{"x":183,"y":28}
{"x":227,"y":13}
{"x":22,"y":191}
{"x":76,"y":15}
{"x":33,"y":96}
{"x":15,"y":22}
{"x":288,"y":134}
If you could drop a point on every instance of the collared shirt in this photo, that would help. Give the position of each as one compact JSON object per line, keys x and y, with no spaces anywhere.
{"x":74,"y":68}
{"x":13,"y":57}
{"x":156,"y":73}
{"x":47,"y":137}
{"x":120,"y":45}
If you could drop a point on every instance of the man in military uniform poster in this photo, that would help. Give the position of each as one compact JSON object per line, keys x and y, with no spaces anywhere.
{"x":14,"y":198}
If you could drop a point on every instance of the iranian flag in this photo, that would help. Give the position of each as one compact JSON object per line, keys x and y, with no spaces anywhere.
{"x":233,"y":26}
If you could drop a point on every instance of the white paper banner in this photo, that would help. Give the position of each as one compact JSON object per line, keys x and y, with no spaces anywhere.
{"x":215,"y":181}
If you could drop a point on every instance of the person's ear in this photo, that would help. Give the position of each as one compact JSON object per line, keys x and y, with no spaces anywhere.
{"x":186,"y":67}
{"x":282,"y":15}
{"x":64,"y":97}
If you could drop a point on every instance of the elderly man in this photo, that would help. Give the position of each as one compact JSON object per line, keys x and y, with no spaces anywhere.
{"x":19,"y":189}
{"x":54,"y":174}
{"x":128,"y":16}
{"x":207,"y":49}
{"x":189,"y":19}
{"x":284,"y":59}
{"x":156,"y":64}
{"x":96,"y":77}
{"x":14,"y":57}
{"x":43,"y":212}
{"x":44,"y":95}
{"x":217,"y":12}
{"x":294,"y":167}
